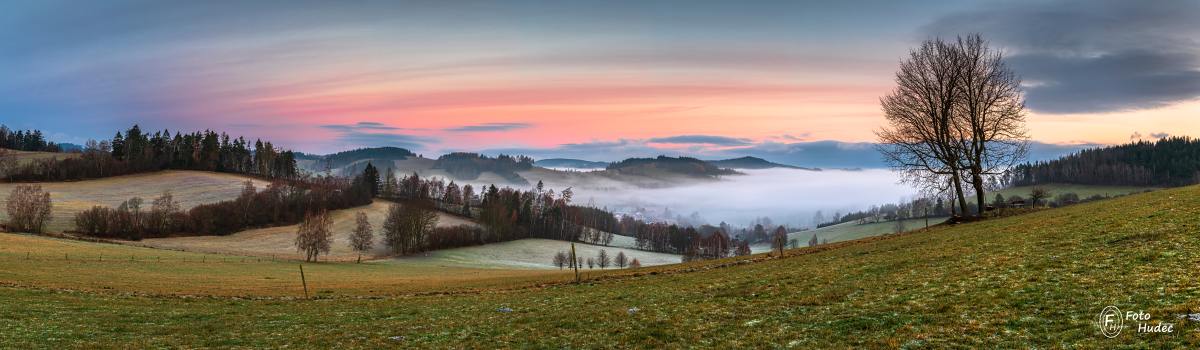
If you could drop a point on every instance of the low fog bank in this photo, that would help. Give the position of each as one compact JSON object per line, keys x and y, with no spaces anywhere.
{"x":786,"y":196}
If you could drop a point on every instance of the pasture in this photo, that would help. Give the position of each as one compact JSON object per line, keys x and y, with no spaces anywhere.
{"x":1028,"y":281}
{"x":190,"y":188}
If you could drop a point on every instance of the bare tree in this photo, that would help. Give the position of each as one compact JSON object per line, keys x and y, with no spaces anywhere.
{"x":603,"y":260}
{"x":363,"y":237}
{"x":591,"y":263}
{"x":956,"y":118}
{"x":314,"y":236}
{"x":779,"y":239}
{"x":621,"y":260}
{"x":635,"y":264}
{"x":990,"y":115}
{"x":408,"y":226}
{"x":28,"y":209}
{"x":560,"y":260}
{"x":164,"y":212}
{"x":918,"y":140}
{"x":1036,"y":195}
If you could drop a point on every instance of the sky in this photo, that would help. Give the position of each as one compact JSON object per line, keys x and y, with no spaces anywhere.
{"x":598,"y":80}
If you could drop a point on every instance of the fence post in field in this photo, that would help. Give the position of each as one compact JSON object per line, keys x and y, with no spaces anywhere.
{"x":303,"y":281}
{"x":575,"y":262}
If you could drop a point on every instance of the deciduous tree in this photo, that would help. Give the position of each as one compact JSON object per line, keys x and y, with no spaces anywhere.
{"x":363,"y":237}
{"x":603,"y":260}
{"x":314,"y":235}
{"x":28,"y":208}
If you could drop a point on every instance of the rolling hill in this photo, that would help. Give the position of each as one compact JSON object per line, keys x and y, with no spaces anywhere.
{"x":190,"y":188}
{"x":751,"y":163}
{"x":555,"y":163}
{"x":279,"y":241}
{"x":337,"y":161}
{"x":1033,"y":280}
{"x":667,"y":166}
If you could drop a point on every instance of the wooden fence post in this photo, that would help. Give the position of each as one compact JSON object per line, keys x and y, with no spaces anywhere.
{"x":303,"y":281}
{"x":575,"y":262}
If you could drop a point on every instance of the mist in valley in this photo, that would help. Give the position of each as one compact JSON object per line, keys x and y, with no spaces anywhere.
{"x":786,"y":196}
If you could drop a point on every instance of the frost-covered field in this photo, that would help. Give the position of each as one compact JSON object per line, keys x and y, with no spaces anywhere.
{"x":529,"y":253}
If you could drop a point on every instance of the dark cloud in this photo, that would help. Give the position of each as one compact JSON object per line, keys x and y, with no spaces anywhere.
{"x":1092,"y":56}
{"x":1160,"y":135}
{"x":703,"y":139}
{"x":370,"y":134}
{"x":486,"y":127}
{"x":359,"y":126}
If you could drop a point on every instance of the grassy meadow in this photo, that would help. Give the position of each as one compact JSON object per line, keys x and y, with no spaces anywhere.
{"x":190,"y":188}
{"x":1030,"y":281}
{"x":1084,"y":191}
{"x":279,"y":241}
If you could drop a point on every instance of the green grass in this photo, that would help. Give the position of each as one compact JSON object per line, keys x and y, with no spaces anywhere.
{"x":1031,"y":281}
{"x":1084,"y":191}
{"x":853,"y":230}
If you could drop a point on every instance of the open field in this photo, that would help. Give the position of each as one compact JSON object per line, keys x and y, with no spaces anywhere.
{"x":60,"y":263}
{"x":44,"y":262}
{"x":279,"y":241}
{"x":24,"y":157}
{"x":1083,"y":191}
{"x":1030,"y":281}
{"x":190,"y":188}
{"x":851,"y":231}
{"x":531,"y":253}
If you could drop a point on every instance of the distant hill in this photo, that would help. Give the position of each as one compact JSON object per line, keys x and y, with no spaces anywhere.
{"x":468,"y":166}
{"x":751,"y":163}
{"x":663,"y":165}
{"x":570,"y":163}
{"x":344,"y":158}
{"x":69,"y":147}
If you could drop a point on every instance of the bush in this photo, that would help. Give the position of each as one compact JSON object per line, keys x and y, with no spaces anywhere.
{"x":28,"y":208}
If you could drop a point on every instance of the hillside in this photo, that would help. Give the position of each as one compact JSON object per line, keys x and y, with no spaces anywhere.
{"x":23,"y":157}
{"x":848,"y":231}
{"x":556,"y":163}
{"x":279,"y":241}
{"x":190,"y":188}
{"x":469,"y":166}
{"x":1170,"y":161}
{"x":751,"y":163}
{"x":1035,"y":280}
{"x":379,"y":155}
{"x":665,"y":166}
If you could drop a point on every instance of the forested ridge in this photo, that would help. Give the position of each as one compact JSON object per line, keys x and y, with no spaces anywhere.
{"x":135,"y":151}
{"x":25,"y":140}
{"x":1171,"y":161}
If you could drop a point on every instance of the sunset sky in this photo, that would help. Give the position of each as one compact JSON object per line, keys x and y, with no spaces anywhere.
{"x":597,"y":79}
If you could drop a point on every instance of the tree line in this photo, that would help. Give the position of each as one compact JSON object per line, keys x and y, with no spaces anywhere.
{"x":1170,"y":161}
{"x":602,"y":260}
{"x":136,"y":151}
{"x":464,"y":165}
{"x":282,"y":202}
{"x":26,"y":140}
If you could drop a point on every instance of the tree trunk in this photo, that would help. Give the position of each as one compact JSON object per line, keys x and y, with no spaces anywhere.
{"x":977,"y":182}
{"x":962,"y":199}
